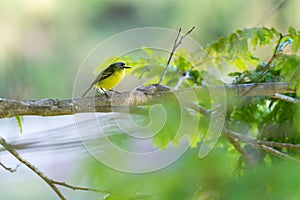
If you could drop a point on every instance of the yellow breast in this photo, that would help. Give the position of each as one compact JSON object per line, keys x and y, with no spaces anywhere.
{"x":111,"y":81}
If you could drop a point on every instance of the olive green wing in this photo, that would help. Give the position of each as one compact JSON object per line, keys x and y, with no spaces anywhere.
{"x":103,"y":75}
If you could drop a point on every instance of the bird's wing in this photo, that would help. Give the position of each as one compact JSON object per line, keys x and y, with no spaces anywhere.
{"x":103,"y":75}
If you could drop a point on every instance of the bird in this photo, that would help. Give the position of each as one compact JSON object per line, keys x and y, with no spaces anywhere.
{"x":108,"y":78}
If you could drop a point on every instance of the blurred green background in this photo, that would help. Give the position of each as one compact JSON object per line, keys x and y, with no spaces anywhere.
{"x":43,"y":43}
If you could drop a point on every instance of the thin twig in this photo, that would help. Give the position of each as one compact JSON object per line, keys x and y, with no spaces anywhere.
{"x":9,"y":168}
{"x":49,"y":181}
{"x":170,"y":57}
{"x":279,"y":144}
{"x":11,"y":150}
{"x":268,"y":65}
{"x":264,"y":145}
{"x":277,"y":153}
{"x":246,"y":139}
{"x":77,"y":187}
{"x":181,"y":78}
{"x":91,"y":189}
{"x":176,"y":45}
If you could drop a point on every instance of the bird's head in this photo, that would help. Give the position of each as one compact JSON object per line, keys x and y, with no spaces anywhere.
{"x":120,"y":65}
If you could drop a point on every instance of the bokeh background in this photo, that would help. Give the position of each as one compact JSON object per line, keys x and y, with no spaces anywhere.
{"x":43,"y":43}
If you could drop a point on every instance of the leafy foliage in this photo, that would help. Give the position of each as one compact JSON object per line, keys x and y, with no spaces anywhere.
{"x":259,"y":117}
{"x":236,"y":52}
{"x":19,"y":122}
{"x":289,"y":68}
{"x":237,"y":48}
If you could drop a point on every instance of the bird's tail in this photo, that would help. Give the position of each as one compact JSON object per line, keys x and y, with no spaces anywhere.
{"x":85,"y":93}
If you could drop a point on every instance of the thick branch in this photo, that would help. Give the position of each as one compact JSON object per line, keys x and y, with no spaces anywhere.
{"x":285,"y":98}
{"x":119,"y":102}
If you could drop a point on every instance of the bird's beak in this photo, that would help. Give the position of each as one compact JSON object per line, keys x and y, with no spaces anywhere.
{"x":126,"y":67}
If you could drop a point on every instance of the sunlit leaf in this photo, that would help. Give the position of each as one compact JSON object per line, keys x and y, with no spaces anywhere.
{"x":240,"y":64}
{"x":20,"y":119}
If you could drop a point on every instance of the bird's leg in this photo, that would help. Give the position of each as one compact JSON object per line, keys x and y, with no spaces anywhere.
{"x":104,"y":92}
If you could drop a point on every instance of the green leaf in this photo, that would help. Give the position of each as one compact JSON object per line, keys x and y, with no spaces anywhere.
{"x":182,"y":64}
{"x":266,"y":35}
{"x":298,"y":88}
{"x":170,"y":128}
{"x":194,"y":141}
{"x":195,"y":76}
{"x":289,"y":66}
{"x":149,"y":52}
{"x":254,"y":38}
{"x":218,"y":47}
{"x":234,"y":74}
{"x":148,"y":71}
{"x":295,"y":36}
{"x":234,"y":44}
{"x":19,"y":119}
{"x":296,"y":43}
{"x":292,"y":31}
{"x":240,"y":64}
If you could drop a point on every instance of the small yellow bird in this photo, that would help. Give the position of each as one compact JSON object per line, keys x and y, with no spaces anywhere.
{"x":109,"y":77}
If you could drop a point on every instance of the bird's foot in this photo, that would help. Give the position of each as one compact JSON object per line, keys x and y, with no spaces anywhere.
{"x":115,"y":91}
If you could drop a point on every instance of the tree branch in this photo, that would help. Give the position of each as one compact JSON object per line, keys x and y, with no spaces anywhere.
{"x":264,"y":145}
{"x":237,"y":146}
{"x":9,"y":168}
{"x":176,"y":45}
{"x":12,"y":151}
{"x":196,"y":107}
{"x":246,"y":139}
{"x":50,"y":182}
{"x":268,"y":65}
{"x":277,"y":153}
{"x":76,"y":187}
{"x":119,"y":102}
{"x":285,"y":98}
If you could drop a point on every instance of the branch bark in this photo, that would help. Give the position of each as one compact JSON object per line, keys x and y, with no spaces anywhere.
{"x":52,"y":183}
{"x":13,"y":152}
{"x":285,"y":98}
{"x":237,"y":146}
{"x":119,"y":102}
{"x":255,"y":142}
{"x":264,"y":145}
